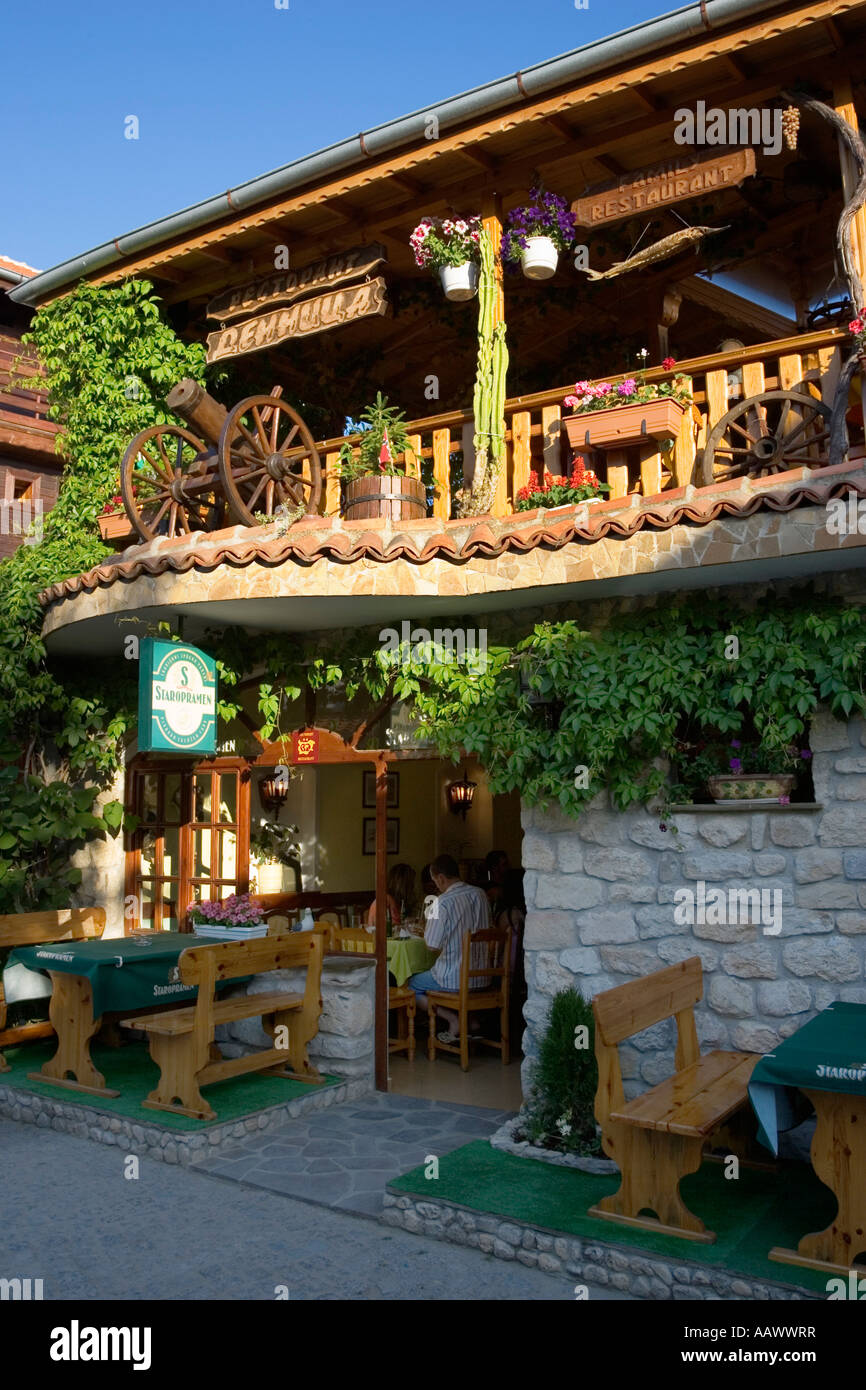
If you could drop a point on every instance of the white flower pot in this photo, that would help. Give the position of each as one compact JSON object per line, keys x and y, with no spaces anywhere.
{"x":459,"y":281}
{"x":269,"y":878}
{"x":540,"y":258}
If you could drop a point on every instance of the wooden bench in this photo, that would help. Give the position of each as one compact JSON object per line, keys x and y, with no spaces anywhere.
{"x":182,"y":1040}
{"x":658,"y":1138}
{"x":37,"y":929}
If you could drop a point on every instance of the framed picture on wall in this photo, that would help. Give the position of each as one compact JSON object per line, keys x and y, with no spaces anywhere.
{"x":369,"y":797}
{"x":392,"y":835}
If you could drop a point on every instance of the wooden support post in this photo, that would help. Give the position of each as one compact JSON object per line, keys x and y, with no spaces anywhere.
{"x":381,"y":1027}
{"x":843,"y":101}
{"x":521,"y":448}
{"x":332,"y":485}
{"x":413,"y":456}
{"x":717,"y":397}
{"x":617,"y":472}
{"x":442,"y":474}
{"x":685,"y":447}
{"x":650,"y":469}
{"x":551,"y":430}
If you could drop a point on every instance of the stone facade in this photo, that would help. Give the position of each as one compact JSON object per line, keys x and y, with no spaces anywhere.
{"x":602,"y":899}
{"x":102,"y":864}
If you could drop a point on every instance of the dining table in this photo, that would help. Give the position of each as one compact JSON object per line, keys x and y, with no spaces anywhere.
{"x":825,"y":1060}
{"x":408,"y":955}
{"x":123,"y":975}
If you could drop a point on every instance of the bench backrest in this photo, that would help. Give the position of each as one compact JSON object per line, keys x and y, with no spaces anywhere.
{"x":621,"y":1012}
{"x":61,"y":924}
{"x":207,"y":966}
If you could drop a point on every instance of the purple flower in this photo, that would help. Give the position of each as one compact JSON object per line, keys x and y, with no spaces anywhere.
{"x":627,"y":387}
{"x":805,"y":753}
{"x":784,"y":801}
{"x":735,"y":765}
{"x":735,"y":743}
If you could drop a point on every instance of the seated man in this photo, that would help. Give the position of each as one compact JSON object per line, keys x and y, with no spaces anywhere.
{"x":459,"y":909}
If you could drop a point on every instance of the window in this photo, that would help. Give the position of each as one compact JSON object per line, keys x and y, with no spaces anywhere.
{"x":192,"y":841}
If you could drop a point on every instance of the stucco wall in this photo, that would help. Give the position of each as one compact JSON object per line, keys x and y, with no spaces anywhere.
{"x":602,"y":897}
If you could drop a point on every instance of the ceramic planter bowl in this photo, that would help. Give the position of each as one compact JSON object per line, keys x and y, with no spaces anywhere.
{"x":755,"y":786}
{"x":540,"y":258}
{"x":460,"y":282}
{"x":622,"y":425}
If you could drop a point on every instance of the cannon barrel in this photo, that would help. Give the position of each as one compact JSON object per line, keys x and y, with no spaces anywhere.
{"x":193,"y":404}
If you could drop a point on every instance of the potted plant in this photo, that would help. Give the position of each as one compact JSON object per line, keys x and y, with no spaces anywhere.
{"x":450,"y":245}
{"x":115,"y":527}
{"x":741,"y":772}
{"x":274,"y":846}
{"x":608,"y":416}
{"x":537,"y":233}
{"x":550,"y":491}
{"x":376,"y":480}
{"x":241,"y":910}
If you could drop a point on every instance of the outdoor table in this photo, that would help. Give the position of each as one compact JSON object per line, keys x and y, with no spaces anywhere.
{"x":89,"y":978}
{"x":408,"y":955}
{"x":826,"y":1060}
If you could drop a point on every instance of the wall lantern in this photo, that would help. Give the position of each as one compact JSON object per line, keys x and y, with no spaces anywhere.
{"x":274,"y":793}
{"x":460,"y":795}
{"x":551,"y":709}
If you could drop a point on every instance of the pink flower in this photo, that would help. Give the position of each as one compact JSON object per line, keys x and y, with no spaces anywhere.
{"x":855,"y":326}
{"x":668,"y":363}
{"x":572,"y":402}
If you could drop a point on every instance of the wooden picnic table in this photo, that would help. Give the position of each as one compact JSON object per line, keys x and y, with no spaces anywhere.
{"x":826,"y":1060}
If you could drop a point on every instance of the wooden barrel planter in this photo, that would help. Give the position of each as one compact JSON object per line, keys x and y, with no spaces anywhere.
{"x":379,"y":495}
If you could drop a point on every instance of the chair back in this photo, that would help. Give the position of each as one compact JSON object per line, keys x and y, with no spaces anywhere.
{"x":61,"y":924}
{"x":278,"y":925}
{"x":485,"y":962}
{"x":353,"y":941}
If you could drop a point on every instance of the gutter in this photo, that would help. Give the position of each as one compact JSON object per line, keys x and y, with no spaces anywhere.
{"x":580,"y":63}
{"x":13,"y":276}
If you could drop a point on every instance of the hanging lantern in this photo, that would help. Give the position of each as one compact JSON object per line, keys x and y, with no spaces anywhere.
{"x":460,"y":795}
{"x":274,"y":793}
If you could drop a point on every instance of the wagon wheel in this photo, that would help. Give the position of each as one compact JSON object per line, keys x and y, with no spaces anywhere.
{"x":769,"y":433}
{"x":267,"y":459}
{"x":173,"y":478}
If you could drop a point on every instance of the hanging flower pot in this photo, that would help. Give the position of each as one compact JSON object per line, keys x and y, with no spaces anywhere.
{"x":540,"y":259}
{"x":459,"y":282}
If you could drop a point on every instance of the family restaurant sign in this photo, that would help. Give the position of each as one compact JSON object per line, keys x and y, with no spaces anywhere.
{"x":667,"y":183}
{"x":300,"y":320}
{"x":293,"y":284}
{"x":305,"y":746}
{"x":177,"y":692}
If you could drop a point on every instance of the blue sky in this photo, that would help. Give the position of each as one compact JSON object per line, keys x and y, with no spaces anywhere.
{"x":227,"y":89}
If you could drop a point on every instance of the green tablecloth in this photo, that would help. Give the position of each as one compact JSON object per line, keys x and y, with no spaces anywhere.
{"x":827,"y":1054}
{"x":126,"y":973}
{"x":408,"y":955}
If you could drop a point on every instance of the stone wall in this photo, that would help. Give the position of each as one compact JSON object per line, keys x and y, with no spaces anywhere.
{"x":601,"y":902}
{"x":345,"y":1043}
{"x":102,"y":863}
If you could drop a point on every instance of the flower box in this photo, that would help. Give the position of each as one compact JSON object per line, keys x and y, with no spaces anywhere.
{"x":116,"y":529}
{"x":622,"y":425}
{"x":752,"y":786}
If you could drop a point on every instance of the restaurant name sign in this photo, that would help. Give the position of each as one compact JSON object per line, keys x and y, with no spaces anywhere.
{"x":289,"y":285}
{"x":299,"y":320}
{"x":305,"y":746}
{"x":664,"y":184}
{"x":177,"y":695}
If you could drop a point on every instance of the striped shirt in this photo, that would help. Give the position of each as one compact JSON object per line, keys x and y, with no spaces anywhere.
{"x":460,"y":909}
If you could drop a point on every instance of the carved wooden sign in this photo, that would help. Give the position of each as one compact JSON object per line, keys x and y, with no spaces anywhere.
{"x":667,"y":183}
{"x":289,"y":285}
{"x":300,"y":320}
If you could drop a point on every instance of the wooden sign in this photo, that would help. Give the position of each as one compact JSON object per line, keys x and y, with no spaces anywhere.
{"x":305,"y":746}
{"x":668,"y":183}
{"x":289,"y":285}
{"x":310,"y":316}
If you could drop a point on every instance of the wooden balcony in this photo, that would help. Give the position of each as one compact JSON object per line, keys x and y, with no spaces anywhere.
{"x":536,"y":440}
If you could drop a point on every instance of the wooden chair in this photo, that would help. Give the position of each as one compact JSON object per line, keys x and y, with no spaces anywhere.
{"x":36,"y":929}
{"x":401,"y":999}
{"x":658,"y":1138}
{"x":490,"y":950}
{"x":278,"y":925}
{"x":182,"y":1040}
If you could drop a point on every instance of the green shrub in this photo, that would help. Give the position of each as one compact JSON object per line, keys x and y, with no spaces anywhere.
{"x":559,"y":1112}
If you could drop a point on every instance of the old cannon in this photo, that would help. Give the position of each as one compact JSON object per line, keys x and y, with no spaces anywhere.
{"x":229,"y":466}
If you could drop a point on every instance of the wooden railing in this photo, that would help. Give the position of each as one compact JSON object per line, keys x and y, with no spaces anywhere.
{"x":536,"y":440}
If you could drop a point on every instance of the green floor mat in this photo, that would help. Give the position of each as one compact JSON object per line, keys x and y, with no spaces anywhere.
{"x":750,"y":1214}
{"x":129,"y":1070}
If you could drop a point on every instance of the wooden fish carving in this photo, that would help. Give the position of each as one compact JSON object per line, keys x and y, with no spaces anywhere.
{"x":659,"y":251}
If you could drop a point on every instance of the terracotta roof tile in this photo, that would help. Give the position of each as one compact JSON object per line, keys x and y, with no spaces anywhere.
{"x":331,"y":539}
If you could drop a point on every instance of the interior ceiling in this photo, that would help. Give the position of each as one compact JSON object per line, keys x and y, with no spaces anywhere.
{"x":783,"y":219}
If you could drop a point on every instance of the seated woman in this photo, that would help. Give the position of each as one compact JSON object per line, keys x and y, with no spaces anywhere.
{"x":401,"y":895}
{"x":510,"y":910}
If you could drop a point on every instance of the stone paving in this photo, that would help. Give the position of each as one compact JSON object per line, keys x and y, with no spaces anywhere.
{"x":70,"y":1217}
{"x":343,"y":1158}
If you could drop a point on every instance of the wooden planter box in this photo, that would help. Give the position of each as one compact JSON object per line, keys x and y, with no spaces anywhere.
{"x":622,"y":425}
{"x":378,"y":495}
{"x":116,"y":529}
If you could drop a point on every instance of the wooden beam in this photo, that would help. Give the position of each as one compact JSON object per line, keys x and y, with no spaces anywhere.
{"x":697,"y":51}
{"x":833,"y":30}
{"x":843,"y":101}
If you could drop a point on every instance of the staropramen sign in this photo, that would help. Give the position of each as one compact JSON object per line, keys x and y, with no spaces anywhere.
{"x":177,"y":692}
